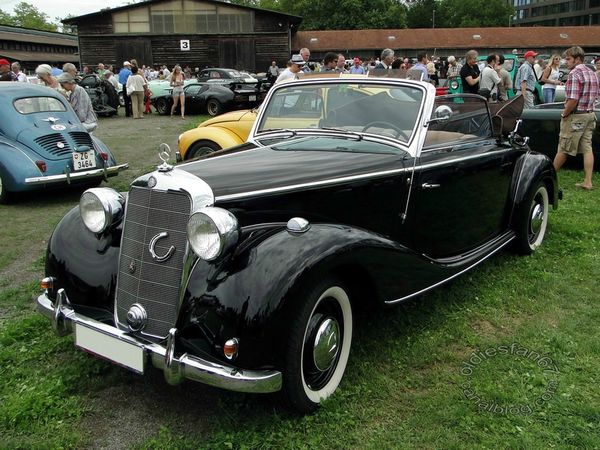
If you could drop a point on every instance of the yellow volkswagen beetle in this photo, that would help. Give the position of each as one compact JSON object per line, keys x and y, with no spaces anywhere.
{"x":225,"y":130}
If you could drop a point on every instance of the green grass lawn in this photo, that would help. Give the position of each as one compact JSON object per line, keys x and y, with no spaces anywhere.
{"x":507,"y":356}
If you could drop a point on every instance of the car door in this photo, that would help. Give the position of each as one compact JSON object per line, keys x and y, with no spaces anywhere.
{"x":461,"y":182}
{"x":194,"y":98}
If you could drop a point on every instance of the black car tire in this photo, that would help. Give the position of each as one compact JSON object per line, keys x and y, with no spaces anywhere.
{"x":532,"y":220}
{"x":162,"y":106}
{"x":201,"y":148}
{"x":214,"y":107}
{"x":3,"y":191}
{"x":311,"y":373}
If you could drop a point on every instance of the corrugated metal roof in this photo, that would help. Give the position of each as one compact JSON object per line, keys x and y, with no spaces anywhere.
{"x":467,"y":38}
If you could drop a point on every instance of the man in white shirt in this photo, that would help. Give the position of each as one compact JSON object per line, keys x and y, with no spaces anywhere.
{"x":490,"y":79}
{"x":294,"y":67}
{"x":16,"y":69}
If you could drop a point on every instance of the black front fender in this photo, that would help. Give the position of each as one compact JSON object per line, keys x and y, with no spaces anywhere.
{"x":248,"y":297}
{"x":84,"y":264}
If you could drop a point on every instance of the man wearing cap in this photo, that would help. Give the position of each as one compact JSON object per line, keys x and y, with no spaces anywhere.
{"x":578,"y":120}
{"x":5,"y":74}
{"x":357,"y":68}
{"x":124,"y":74}
{"x":79,"y":100}
{"x":526,"y":78}
{"x":294,"y":67}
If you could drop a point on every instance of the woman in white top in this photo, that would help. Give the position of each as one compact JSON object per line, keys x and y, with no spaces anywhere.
{"x":177,"y":80}
{"x":135,"y":89}
{"x":550,"y":78}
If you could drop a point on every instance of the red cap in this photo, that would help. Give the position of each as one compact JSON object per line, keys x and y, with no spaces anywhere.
{"x":530,"y":53}
{"x":356,"y":60}
{"x":4,"y":62}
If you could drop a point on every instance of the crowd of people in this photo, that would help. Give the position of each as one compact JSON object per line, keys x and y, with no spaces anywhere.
{"x":493,"y":82}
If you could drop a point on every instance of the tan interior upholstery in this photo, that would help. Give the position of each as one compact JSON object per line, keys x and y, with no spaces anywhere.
{"x":442,"y":137}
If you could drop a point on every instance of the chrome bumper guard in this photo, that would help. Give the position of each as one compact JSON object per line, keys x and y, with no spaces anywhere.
{"x":74,"y":176}
{"x":176,"y":369}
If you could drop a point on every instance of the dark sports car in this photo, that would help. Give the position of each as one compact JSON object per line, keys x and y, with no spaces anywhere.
{"x":542,"y":125}
{"x":243,"y":269}
{"x":211,"y":98}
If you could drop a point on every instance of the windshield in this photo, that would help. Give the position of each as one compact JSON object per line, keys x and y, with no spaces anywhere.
{"x":31,"y":105}
{"x":376,"y":109}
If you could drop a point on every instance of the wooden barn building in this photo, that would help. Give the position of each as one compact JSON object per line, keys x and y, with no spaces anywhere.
{"x":33,"y":47}
{"x":198,"y":33}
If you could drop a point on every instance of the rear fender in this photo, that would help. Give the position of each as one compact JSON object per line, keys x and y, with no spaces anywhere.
{"x":16,"y":164}
{"x":531,"y":168}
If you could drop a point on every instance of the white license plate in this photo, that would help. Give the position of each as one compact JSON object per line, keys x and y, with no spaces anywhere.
{"x":84,"y":160}
{"x":123,"y":353}
{"x":252,"y":98}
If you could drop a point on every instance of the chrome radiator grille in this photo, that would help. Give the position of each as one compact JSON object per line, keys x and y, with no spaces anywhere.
{"x":141,"y":279}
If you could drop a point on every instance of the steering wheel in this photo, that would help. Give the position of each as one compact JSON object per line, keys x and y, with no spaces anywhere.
{"x":379,"y":123}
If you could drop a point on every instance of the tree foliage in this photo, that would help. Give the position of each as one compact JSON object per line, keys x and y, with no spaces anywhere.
{"x":340,"y":14}
{"x":365,"y":14}
{"x":27,"y":16}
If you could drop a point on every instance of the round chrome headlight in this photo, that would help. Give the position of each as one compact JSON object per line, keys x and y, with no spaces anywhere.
{"x":211,"y":232}
{"x":100,"y":208}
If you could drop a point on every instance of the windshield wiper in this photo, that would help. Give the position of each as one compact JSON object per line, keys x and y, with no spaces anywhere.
{"x":358,"y":136}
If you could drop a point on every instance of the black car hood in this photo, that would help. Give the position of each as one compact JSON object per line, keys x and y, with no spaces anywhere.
{"x":271,"y":168}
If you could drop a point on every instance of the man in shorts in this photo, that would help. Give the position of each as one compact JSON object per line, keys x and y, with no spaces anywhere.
{"x":578,"y":119}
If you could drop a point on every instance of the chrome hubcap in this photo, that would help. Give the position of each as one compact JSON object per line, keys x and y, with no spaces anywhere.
{"x":537,"y":218}
{"x":326,"y":344}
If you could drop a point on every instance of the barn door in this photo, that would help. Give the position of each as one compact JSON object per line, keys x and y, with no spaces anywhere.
{"x":237,"y":54}
{"x":138,"y":49}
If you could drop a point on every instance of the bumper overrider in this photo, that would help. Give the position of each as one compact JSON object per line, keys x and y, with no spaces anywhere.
{"x":76,"y":176}
{"x":125,"y":350}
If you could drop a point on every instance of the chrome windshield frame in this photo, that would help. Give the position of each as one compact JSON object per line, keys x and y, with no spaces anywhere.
{"x":411,"y":146}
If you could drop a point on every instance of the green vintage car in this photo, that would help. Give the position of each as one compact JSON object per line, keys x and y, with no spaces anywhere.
{"x":511,"y":65}
{"x":542,"y":125}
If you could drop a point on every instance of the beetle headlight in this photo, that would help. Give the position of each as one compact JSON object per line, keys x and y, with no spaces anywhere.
{"x":453,"y":84}
{"x":100,"y":208}
{"x":211,"y":232}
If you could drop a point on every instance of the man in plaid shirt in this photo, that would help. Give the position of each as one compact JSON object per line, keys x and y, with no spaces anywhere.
{"x":578,"y":118}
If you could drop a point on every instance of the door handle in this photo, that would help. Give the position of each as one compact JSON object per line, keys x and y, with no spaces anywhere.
{"x":429,"y":186}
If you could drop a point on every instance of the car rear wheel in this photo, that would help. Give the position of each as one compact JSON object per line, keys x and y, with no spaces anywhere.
{"x":318,"y":345}
{"x":3,"y":192}
{"x":214,"y":107}
{"x":202,"y":148}
{"x":162,"y":107}
{"x":532,"y":220}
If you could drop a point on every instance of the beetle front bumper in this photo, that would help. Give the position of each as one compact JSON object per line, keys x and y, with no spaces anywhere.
{"x":121,"y":348}
{"x":104,"y":172}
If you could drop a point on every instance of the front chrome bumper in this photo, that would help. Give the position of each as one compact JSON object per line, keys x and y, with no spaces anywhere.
{"x":75,"y":176}
{"x":65,"y":320}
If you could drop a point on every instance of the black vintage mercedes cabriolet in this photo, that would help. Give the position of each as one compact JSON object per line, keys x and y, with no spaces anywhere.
{"x":243,"y":269}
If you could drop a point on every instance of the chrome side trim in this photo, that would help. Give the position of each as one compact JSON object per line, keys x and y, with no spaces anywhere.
{"x":50,"y":179}
{"x":352,"y":178}
{"x":175,"y":369}
{"x":433,"y":286}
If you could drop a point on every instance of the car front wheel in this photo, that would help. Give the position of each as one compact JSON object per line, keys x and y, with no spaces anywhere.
{"x":532,"y":220}
{"x":318,"y":345}
{"x":214,"y":107}
{"x":202,"y":148}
